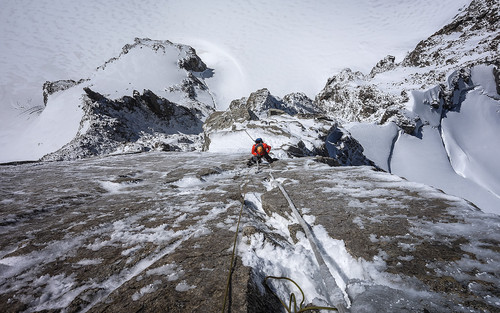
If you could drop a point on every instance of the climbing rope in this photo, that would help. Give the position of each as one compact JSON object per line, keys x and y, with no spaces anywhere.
{"x":293,"y":299}
{"x":249,"y":135}
{"x":328,"y":284}
{"x":231,"y":266}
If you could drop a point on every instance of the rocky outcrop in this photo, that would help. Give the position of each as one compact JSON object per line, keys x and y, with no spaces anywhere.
{"x":384,"y":65}
{"x":131,"y":124}
{"x":474,"y":32}
{"x":188,"y":59}
{"x":259,"y":105}
{"x":343,"y":150}
{"x":351,"y":97}
{"x":496,"y":73}
{"x":59,"y":85}
{"x":294,"y":126}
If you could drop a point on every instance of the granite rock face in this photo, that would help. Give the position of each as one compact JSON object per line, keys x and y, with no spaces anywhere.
{"x":154,"y":232}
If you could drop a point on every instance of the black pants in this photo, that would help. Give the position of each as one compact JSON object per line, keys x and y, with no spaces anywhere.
{"x":257,"y":158}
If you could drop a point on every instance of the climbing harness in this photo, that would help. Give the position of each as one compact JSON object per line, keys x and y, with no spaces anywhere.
{"x":293,"y":299}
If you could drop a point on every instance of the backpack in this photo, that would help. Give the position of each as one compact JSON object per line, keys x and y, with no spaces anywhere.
{"x":259,"y":148}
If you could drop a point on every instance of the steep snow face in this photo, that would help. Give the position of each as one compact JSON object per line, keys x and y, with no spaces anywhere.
{"x":455,"y":148}
{"x":446,"y":108}
{"x":458,"y":149}
{"x":470,"y":135}
{"x":377,"y":141}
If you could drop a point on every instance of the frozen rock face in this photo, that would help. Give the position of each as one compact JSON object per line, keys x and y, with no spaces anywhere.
{"x":384,"y":65}
{"x":50,"y":88}
{"x":153,"y":232}
{"x":261,"y":103}
{"x":116,"y":117}
{"x":292,"y":127}
{"x":122,"y":234}
{"x":473,"y":33}
{"x":351,"y":97}
{"x":406,"y":230}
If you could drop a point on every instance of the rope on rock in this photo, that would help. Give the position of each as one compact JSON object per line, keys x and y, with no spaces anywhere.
{"x":231,"y":266}
{"x":328,"y":281}
{"x":249,"y":135}
{"x":293,"y":299}
{"x":330,"y":287}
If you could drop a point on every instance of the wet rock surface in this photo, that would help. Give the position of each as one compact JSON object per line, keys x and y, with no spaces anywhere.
{"x":154,"y":232}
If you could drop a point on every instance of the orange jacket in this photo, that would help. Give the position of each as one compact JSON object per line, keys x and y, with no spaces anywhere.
{"x":264,"y":145}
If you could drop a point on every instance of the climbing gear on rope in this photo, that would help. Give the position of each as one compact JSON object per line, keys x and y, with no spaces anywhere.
{"x":329,"y":283}
{"x":293,"y":298}
{"x":231,"y":266}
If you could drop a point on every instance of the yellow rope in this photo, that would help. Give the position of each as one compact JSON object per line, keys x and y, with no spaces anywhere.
{"x":232,"y":258}
{"x":293,"y":298}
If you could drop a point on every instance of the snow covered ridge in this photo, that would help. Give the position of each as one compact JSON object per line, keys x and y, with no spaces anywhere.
{"x":472,"y":38}
{"x":131,"y":124}
{"x":442,"y":100}
{"x":385,"y":93}
{"x":113,"y":115}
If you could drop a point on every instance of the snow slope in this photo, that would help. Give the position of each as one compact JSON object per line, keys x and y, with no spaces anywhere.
{"x":457,"y":153}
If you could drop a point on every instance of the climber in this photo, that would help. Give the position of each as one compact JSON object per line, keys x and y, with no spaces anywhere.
{"x":260,"y":150}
